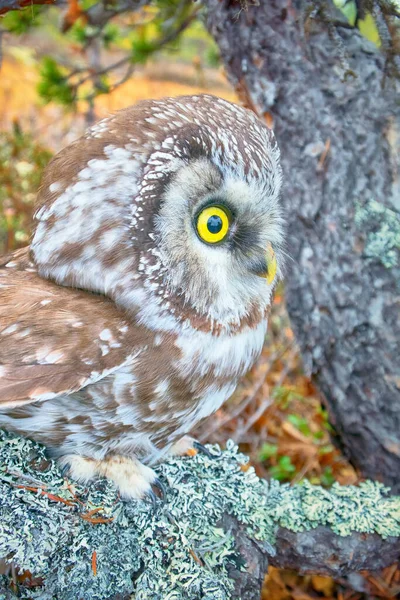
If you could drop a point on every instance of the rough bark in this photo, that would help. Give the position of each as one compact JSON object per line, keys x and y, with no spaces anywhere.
{"x":314,"y":551}
{"x":338,"y":138}
{"x":328,"y":554}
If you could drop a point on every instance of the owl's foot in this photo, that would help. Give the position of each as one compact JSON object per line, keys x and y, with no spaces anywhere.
{"x":190,"y":447}
{"x":132,"y":479}
{"x":202,"y":449}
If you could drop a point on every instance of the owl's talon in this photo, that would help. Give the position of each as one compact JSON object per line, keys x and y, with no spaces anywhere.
{"x":203,"y":449}
{"x":188,"y":446}
{"x":150,"y":495}
{"x":160,"y":487}
{"x":65,"y":469}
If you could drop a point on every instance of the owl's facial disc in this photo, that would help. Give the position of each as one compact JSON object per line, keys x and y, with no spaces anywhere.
{"x":215,"y":224}
{"x":219,"y":235}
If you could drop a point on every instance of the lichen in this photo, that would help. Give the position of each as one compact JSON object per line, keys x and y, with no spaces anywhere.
{"x":344,"y":509}
{"x":86,"y":538}
{"x":382,"y":228}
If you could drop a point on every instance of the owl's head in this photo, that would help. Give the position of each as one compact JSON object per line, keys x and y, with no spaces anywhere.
{"x":171,"y":209}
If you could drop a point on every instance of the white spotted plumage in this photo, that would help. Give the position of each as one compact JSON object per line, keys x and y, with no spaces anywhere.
{"x":135,"y":328}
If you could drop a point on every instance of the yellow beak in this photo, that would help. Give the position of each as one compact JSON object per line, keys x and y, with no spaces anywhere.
{"x":271,"y":262}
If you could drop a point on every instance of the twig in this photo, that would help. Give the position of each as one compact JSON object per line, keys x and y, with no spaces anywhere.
{"x":95,"y":74}
{"x":44,"y":493}
{"x":94,"y":563}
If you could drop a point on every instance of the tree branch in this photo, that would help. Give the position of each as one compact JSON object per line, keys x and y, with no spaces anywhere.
{"x":7,"y":5}
{"x":217,"y":531}
{"x":322,"y":551}
{"x":90,"y":74}
{"x":100,"y":13}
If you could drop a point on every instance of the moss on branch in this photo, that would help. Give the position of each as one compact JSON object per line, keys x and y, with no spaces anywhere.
{"x":79,"y":538}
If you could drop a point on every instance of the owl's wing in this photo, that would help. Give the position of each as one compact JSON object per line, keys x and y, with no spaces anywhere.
{"x":56,"y":340}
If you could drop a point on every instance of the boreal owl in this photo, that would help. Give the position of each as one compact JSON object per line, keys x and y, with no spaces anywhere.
{"x":144,"y":294}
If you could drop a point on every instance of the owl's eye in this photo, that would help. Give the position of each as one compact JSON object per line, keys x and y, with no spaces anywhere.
{"x":213,"y":224}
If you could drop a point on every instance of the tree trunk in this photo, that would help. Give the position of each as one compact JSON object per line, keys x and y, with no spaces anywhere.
{"x":338,"y":138}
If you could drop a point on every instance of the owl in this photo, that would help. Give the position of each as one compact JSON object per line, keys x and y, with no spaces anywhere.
{"x":144,"y":294}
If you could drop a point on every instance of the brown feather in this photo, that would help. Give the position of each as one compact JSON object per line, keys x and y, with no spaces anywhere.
{"x":42,"y":323}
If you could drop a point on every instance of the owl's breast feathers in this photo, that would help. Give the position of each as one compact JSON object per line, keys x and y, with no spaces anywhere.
{"x":74,"y":366}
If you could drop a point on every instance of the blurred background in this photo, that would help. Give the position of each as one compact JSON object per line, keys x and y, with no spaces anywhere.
{"x":60,"y":72}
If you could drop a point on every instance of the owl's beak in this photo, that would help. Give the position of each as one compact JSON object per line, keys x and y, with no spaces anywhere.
{"x":267,"y":267}
{"x":271,"y":264}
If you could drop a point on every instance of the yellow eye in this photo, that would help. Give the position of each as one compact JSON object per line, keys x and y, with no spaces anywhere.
{"x":213,"y":224}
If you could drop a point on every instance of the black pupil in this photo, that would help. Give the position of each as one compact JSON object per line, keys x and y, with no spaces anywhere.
{"x":214,"y":224}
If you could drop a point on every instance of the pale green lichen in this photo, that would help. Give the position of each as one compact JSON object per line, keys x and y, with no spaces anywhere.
{"x":382,"y":228}
{"x":178,"y":551}
{"x":344,"y":509}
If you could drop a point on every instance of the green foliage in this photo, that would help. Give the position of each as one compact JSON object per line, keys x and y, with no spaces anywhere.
{"x":348,"y":8}
{"x":212,"y":56}
{"x":103,"y":85}
{"x":111,"y":34}
{"x":303,"y":425}
{"x":285,"y":395}
{"x":22,"y":161}
{"x":81,"y":33}
{"x":368,"y":28}
{"x":366,"y":25}
{"x":300,"y":423}
{"x":284,"y":470}
{"x":267,"y":451}
{"x":284,"y":460}
{"x":54,"y":84}
{"x":325,"y":419}
{"x":20,"y":21}
{"x":327,"y":479}
{"x":395,"y":5}
{"x":142,"y":49}
{"x":161,"y":27}
{"x":85,"y":4}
